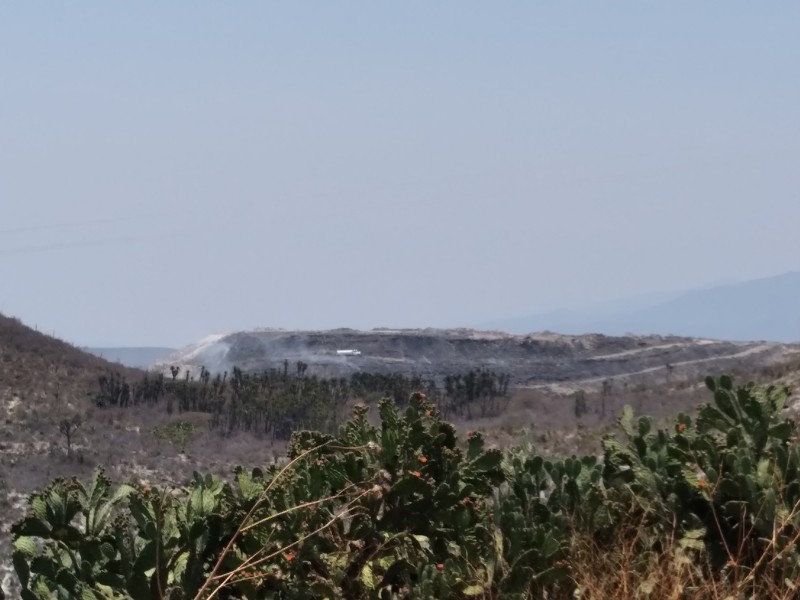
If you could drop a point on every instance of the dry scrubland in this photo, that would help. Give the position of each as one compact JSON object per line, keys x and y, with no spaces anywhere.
{"x":706,"y":507}
{"x":45,"y":383}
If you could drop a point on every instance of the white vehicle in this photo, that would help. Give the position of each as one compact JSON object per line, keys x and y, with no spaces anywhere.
{"x":348,"y":352}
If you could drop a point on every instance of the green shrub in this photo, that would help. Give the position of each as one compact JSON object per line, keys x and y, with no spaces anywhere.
{"x":403,"y":510}
{"x":179,"y":433}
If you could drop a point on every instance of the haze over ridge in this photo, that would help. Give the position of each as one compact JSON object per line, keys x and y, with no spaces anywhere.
{"x":761,"y":309}
{"x":179,"y":169}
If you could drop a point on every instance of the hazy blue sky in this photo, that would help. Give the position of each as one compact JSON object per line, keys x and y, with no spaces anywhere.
{"x":171,"y":169}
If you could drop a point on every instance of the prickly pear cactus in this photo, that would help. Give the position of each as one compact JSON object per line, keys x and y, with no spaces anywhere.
{"x":403,"y":509}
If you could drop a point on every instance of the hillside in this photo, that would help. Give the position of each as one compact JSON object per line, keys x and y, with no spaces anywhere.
{"x":760,"y":309}
{"x":532,"y":360}
{"x":45,"y":381}
{"x":38,"y":367}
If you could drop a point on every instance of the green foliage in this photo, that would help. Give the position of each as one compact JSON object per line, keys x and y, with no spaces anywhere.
{"x":403,"y":510}
{"x":179,"y":433}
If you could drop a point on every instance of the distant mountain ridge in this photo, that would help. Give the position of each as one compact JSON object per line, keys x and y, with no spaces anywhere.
{"x":135,"y":357}
{"x":760,"y":309}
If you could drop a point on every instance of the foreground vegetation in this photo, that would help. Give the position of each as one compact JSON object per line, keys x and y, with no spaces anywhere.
{"x":403,"y":510}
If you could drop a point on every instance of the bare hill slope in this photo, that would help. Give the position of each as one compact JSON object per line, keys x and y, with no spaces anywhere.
{"x":35,"y":367}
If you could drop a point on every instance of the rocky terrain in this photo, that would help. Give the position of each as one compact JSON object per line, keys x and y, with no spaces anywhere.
{"x":532,"y":360}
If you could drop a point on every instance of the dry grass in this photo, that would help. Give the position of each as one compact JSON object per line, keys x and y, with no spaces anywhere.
{"x":630,"y":568}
